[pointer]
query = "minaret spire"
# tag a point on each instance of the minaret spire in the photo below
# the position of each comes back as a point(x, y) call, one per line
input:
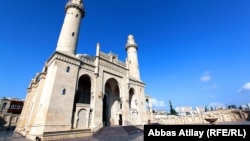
point(132, 59)
point(67, 42)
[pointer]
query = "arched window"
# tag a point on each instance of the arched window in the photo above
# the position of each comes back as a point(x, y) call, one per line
point(4, 106)
point(63, 91)
point(68, 69)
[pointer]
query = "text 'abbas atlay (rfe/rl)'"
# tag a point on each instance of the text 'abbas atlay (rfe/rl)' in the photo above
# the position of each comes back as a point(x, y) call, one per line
point(196, 132)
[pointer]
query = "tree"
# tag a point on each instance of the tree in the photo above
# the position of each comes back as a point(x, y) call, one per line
point(172, 110)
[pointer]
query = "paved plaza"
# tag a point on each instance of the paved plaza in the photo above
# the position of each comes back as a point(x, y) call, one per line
point(114, 133)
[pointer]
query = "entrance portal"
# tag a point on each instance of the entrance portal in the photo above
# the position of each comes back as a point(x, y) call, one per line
point(110, 103)
point(120, 119)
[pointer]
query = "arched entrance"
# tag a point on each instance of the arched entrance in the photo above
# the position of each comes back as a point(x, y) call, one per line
point(132, 101)
point(82, 99)
point(120, 119)
point(84, 90)
point(111, 103)
point(133, 112)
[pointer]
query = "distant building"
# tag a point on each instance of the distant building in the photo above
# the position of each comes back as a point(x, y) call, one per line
point(200, 110)
point(181, 110)
point(10, 109)
point(160, 112)
point(244, 107)
point(11, 105)
point(231, 107)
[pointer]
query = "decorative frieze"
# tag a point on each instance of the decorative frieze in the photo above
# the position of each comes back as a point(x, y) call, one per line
point(64, 58)
point(136, 83)
point(67, 60)
point(113, 67)
point(88, 67)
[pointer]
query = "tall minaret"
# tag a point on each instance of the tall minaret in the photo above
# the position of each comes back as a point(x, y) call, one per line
point(67, 41)
point(132, 59)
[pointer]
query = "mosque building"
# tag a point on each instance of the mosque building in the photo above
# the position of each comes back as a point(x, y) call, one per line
point(78, 93)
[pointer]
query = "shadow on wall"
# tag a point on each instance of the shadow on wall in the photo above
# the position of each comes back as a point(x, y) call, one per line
point(248, 116)
point(2, 123)
point(4, 127)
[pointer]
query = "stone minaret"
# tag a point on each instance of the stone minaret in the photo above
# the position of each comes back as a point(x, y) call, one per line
point(132, 59)
point(67, 41)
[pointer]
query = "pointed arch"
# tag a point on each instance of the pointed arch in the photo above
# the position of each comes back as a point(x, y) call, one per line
point(132, 100)
point(110, 102)
point(83, 93)
point(82, 119)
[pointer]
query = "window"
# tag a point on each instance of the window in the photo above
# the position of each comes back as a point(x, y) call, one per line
point(38, 78)
point(63, 91)
point(76, 15)
point(68, 69)
point(120, 105)
point(4, 105)
point(73, 34)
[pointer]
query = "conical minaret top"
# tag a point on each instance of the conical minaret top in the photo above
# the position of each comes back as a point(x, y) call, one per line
point(132, 59)
point(67, 42)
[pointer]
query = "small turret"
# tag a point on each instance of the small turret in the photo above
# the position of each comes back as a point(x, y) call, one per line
point(97, 58)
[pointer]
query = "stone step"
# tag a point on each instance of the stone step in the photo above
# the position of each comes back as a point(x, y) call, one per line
point(67, 134)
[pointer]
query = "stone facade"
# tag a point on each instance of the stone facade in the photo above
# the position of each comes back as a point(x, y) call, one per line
point(76, 94)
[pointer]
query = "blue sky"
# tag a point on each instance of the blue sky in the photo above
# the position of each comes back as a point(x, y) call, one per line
point(192, 52)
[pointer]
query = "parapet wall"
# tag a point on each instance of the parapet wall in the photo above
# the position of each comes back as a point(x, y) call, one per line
point(222, 115)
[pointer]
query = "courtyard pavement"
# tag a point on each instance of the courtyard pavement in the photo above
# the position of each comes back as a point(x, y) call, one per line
point(109, 133)
point(114, 133)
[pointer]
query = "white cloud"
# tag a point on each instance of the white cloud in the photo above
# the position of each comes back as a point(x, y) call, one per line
point(205, 77)
point(247, 86)
point(244, 88)
point(214, 86)
point(158, 103)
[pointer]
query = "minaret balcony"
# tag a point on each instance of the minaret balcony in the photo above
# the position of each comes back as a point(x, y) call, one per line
point(74, 5)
